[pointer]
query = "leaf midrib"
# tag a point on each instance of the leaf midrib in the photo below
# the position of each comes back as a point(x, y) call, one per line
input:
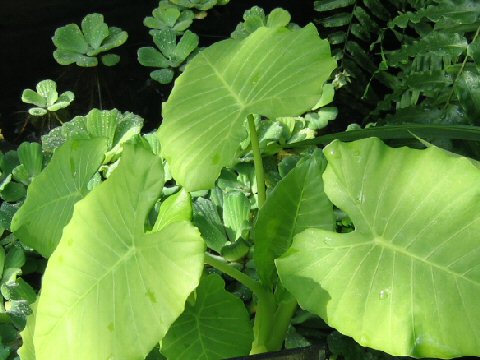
point(380, 241)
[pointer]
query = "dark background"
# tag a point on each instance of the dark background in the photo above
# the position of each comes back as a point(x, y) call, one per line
point(26, 28)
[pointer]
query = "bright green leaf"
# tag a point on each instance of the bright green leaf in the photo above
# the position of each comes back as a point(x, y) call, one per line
point(62, 102)
point(328, 93)
point(177, 207)
point(30, 156)
point(94, 29)
point(295, 204)
point(216, 327)
point(36, 111)
point(52, 194)
point(70, 38)
point(273, 72)
point(32, 97)
point(236, 214)
point(406, 280)
point(104, 258)
point(48, 90)
point(278, 18)
point(27, 351)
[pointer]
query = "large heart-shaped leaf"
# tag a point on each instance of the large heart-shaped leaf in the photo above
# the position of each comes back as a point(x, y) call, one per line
point(297, 203)
point(110, 290)
point(273, 72)
point(407, 279)
point(52, 194)
point(216, 327)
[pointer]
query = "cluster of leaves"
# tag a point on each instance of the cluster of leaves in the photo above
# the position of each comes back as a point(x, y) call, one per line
point(46, 98)
point(128, 221)
point(17, 170)
point(82, 45)
point(437, 64)
point(430, 78)
point(355, 29)
point(170, 20)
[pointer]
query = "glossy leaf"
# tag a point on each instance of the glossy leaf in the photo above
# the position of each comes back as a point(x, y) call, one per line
point(406, 280)
point(216, 327)
point(32, 97)
point(296, 203)
point(49, 204)
point(110, 290)
point(94, 29)
point(70, 38)
point(263, 73)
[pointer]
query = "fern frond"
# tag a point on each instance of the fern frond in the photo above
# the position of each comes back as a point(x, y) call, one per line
point(353, 28)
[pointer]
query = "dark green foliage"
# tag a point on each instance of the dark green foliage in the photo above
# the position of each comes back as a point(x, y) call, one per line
point(428, 74)
point(437, 78)
point(354, 29)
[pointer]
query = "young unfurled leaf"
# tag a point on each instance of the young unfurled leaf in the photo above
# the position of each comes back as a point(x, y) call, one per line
point(177, 207)
point(297, 203)
point(263, 74)
point(49, 204)
point(216, 327)
point(406, 280)
point(115, 290)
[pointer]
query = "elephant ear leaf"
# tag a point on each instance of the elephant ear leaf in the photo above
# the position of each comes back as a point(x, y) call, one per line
point(86, 309)
point(273, 72)
point(217, 326)
point(52, 194)
point(407, 279)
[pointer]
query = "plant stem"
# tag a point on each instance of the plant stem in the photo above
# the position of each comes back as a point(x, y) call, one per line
point(99, 90)
point(257, 160)
point(219, 263)
point(282, 317)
